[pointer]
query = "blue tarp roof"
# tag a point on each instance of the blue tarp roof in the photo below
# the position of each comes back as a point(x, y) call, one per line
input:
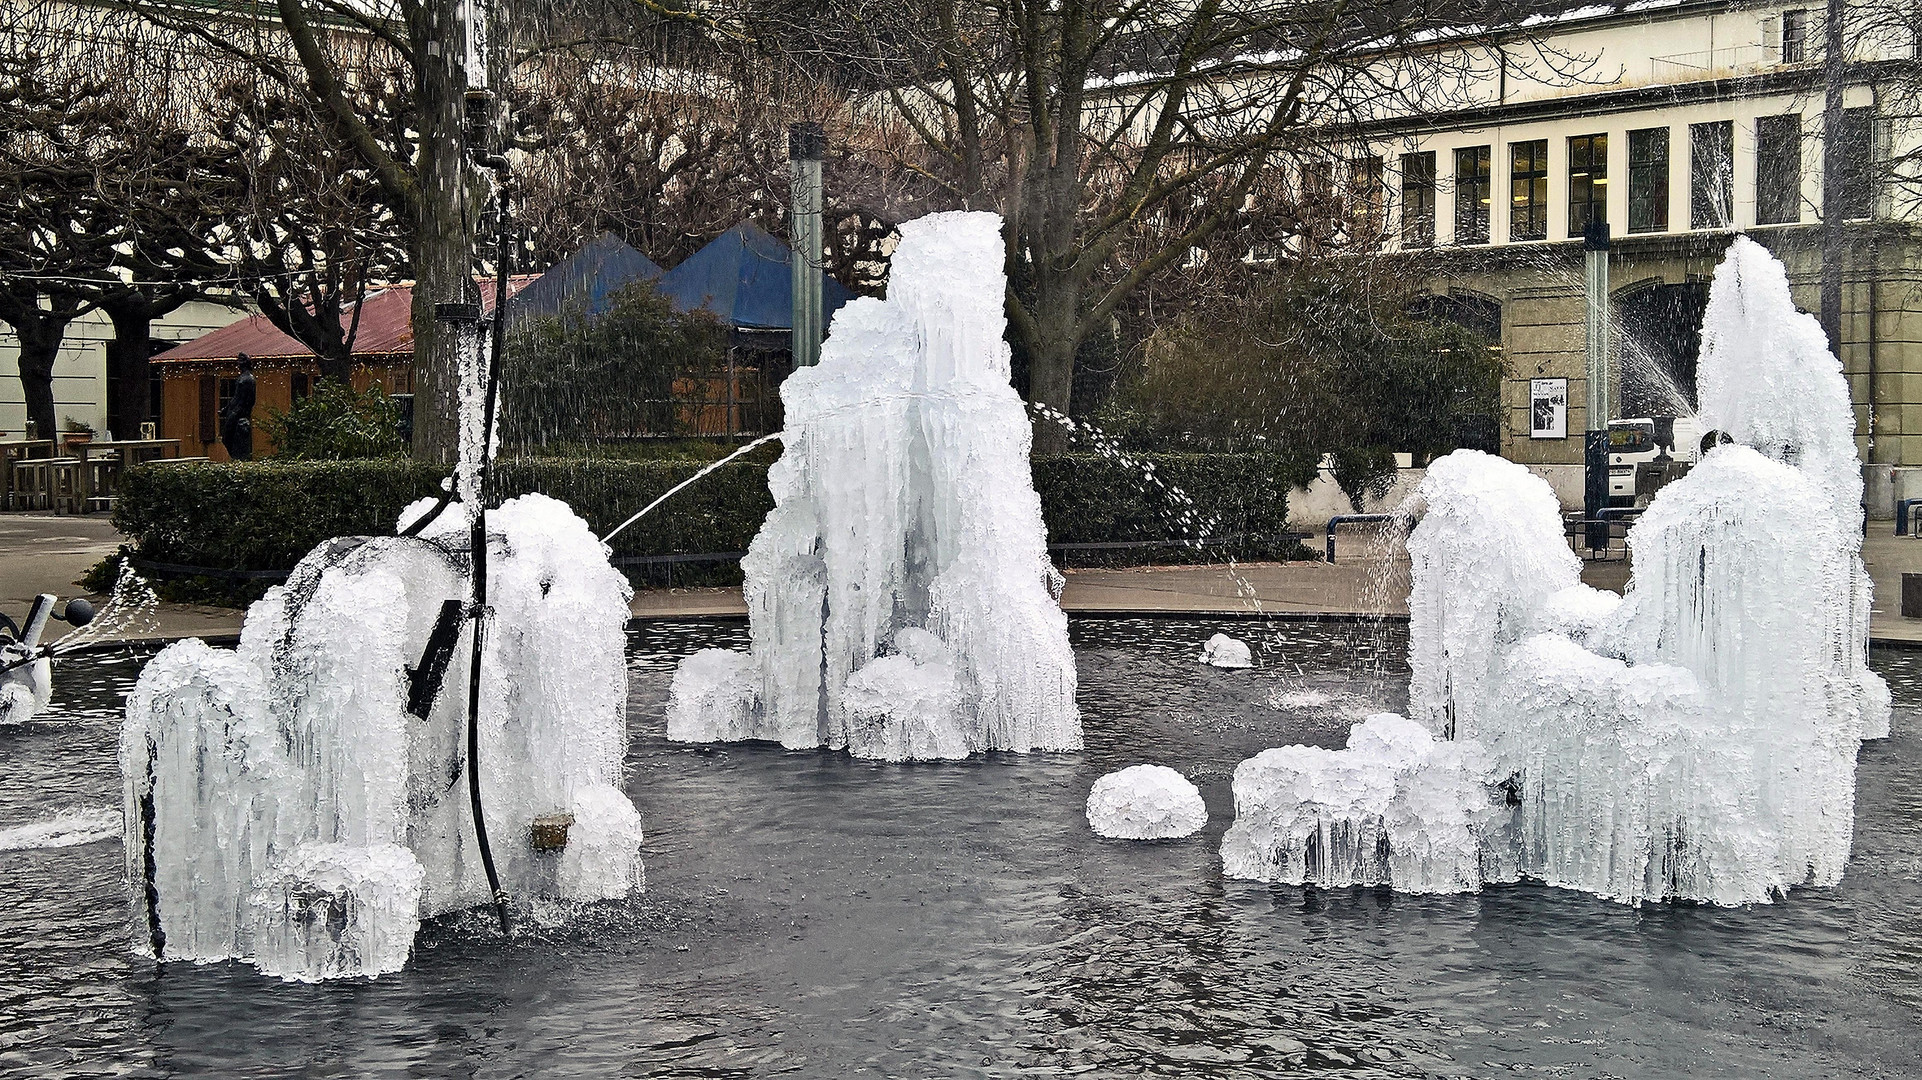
point(742, 277)
point(586, 278)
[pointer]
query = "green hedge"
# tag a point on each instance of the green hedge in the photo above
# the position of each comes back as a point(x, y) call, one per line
point(265, 515)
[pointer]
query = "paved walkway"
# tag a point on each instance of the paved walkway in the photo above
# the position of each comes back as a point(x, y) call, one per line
point(43, 553)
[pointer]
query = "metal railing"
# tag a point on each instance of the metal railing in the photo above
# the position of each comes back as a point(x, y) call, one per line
point(1343, 519)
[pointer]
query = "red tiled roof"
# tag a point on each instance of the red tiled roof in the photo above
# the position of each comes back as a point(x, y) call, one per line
point(386, 330)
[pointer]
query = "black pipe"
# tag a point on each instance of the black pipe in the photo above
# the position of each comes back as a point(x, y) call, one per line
point(478, 548)
point(149, 867)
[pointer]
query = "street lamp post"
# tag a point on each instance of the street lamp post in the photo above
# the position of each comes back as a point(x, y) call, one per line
point(806, 146)
point(1595, 449)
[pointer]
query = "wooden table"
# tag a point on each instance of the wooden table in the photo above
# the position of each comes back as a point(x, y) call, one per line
point(128, 451)
point(12, 450)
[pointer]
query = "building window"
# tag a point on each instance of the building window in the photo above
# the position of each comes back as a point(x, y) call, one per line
point(1858, 163)
point(1317, 209)
point(1711, 175)
point(1778, 169)
point(1795, 36)
point(1472, 177)
point(303, 386)
point(1418, 199)
point(1366, 192)
point(1528, 190)
point(1587, 182)
point(1648, 180)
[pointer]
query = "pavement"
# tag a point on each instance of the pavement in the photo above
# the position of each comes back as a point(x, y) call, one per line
point(44, 553)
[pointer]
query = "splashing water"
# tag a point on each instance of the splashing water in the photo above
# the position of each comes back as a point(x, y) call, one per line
point(71, 827)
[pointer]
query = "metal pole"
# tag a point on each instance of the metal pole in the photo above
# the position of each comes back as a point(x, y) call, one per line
point(806, 146)
point(1834, 67)
point(1595, 447)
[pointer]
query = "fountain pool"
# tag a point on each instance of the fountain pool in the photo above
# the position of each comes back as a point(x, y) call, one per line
point(815, 915)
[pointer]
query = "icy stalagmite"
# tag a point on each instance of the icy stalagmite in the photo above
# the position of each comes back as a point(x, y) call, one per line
point(900, 595)
point(285, 806)
point(1694, 739)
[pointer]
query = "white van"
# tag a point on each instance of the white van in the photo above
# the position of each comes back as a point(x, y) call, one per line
point(1645, 453)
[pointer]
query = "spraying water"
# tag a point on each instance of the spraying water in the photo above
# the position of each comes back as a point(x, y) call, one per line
point(689, 482)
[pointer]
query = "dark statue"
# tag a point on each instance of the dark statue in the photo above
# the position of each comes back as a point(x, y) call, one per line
point(237, 419)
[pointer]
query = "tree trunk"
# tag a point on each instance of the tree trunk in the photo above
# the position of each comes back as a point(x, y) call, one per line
point(39, 347)
point(1051, 372)
point(443, 240)
point(129, 398)
point(337, 364)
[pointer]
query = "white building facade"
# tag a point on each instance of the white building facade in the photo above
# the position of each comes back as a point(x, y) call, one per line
point(80, 372)
point(1678, 123)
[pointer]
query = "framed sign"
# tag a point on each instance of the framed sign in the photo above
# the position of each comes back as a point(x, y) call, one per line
point(1548, 408)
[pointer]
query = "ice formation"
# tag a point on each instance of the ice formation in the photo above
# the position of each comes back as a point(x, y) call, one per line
point(1397, 806)
point(1223, 651)
point(1694, 739)
point(900, 596)
point(288, 809)
point(1145, 802)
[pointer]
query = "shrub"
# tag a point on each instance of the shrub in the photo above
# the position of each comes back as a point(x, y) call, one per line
point(336, 422)
point(1332, 360)
point(265, 515)
point(581, 377)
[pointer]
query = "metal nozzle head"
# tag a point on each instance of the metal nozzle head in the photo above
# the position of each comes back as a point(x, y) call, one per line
point(79, 612)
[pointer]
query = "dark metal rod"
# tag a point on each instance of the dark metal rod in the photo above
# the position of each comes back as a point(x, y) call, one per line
point(478, 547)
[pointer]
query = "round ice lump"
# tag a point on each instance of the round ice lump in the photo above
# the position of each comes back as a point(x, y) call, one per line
point(1145, 802)
point(1223, 651)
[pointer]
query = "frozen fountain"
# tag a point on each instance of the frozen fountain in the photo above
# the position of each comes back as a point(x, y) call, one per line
point(901, 599)
point(304, 801)
point(1694, 739)
point(301, 802)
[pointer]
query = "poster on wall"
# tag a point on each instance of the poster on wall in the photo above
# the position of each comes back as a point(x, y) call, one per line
point(1548, 408)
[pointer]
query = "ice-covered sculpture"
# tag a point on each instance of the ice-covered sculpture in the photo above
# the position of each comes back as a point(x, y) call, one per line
point(285, 807)
point(1146, 802)
point(1694, 739)
point(900, 596)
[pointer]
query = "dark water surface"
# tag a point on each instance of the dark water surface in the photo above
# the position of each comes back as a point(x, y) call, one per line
point(814, 916)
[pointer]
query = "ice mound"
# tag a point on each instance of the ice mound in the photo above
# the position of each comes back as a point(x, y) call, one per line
point(332, 910)
point(1396, 807)
point(714, 697)
point(903, 504)
point(24, 690)
point(1223, 651)
point(267, 783)
point(1695, 739)
point(1486, 555)
point(1146, 802)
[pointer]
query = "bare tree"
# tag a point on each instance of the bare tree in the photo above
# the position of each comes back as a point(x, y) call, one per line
point(309, 230)
point(110, 193)
point(1092, 125)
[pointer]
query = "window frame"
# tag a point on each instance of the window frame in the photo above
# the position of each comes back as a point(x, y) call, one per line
point(1648, 179)
point(1419, 196)
point(1473, 215)
point(1778, 169)
point(1701, 198)
point(1795, 36)
point(1594, 181)
point(1530, 207)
